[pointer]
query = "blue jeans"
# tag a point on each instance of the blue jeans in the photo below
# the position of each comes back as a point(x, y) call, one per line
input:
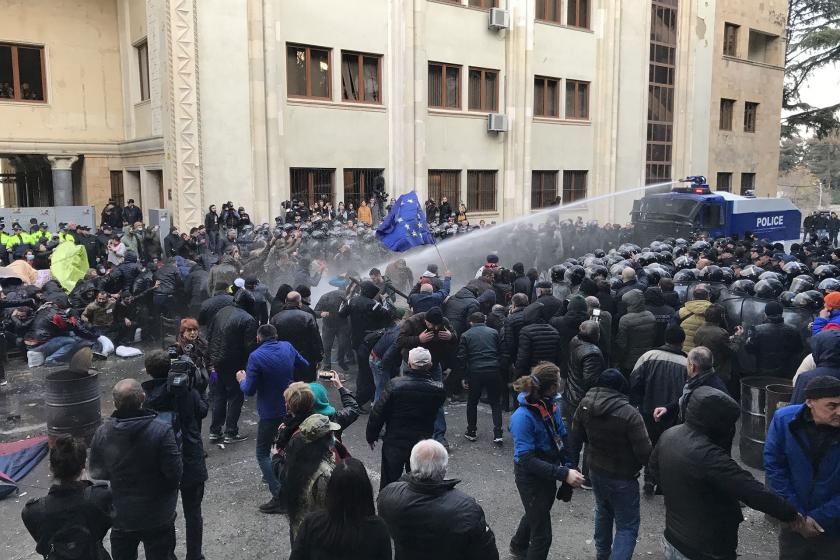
point(440, 419)
point(380, 378)
point(266, 432)
point(616, 501)
point(58, 348)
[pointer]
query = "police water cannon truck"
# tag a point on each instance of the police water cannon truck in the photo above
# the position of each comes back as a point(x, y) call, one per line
point(691, 208)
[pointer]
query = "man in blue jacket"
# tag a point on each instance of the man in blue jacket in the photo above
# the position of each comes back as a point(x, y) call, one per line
point(802, 465)
point(270, 371)
point(428, 297)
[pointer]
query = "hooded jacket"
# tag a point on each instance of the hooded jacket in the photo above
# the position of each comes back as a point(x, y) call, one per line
point(430, 518)
point(616, 437)
point(567, 325)
point(460, 306)
point(138, 454)
point(585, 364)
point(832, 323)
point(538, 341)
point(535, 453)
point(211, 306)
point(125, 273)
point(636, 331)
point(691, 318)
point(703, 484)
point(777, 348)
point(716, 339)
point(826, 352)
point(191, 409)
point(791, 470)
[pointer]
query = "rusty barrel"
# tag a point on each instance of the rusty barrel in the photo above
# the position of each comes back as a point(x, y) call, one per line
point(73, 404)
point(754, 417)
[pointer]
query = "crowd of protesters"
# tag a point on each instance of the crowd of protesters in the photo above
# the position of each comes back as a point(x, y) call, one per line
point(620, 361)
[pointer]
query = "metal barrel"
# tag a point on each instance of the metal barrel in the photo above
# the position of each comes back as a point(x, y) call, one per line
point(73, 404)
point(753, 417)
point(778, 396)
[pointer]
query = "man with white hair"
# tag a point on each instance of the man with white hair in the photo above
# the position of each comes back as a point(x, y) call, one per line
point(407, 408)
point(427, 517)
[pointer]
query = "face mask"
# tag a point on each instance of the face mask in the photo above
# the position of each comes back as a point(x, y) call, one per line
point(30, 257)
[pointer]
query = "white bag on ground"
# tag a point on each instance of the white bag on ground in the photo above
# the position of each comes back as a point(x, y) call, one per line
point(35, 359)
point(107, 345)
point(128, 352)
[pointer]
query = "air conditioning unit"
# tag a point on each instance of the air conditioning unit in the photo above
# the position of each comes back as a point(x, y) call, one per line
point(499, 19)
point(497, 122)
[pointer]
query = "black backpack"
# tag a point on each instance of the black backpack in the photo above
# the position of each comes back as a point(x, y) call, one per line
point(73, 541)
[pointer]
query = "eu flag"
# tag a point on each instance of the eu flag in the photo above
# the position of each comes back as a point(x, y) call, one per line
point(405, 226)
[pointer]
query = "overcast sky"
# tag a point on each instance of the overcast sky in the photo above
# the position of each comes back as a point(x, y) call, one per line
point(823, 88)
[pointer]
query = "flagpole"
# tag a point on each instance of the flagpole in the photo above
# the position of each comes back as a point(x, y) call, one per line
point(443, 262)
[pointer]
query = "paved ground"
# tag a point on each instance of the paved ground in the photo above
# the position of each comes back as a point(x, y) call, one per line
point(235, 529)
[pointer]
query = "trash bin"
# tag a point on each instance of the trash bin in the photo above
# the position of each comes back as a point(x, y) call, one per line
point(777, 396)
point(73, 404)
point(754, 417)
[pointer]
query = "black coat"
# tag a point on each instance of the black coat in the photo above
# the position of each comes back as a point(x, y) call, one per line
point(138, 454)
point(777, 348)
point(122, 277)
point(84, 503)
point(459, 307)
point(171, 283)
point(366, 315)
point(132, 215)
point(568, 326)
point(478, 350)
point(586, 362)
point(522, 285)
point(299, 328)
point(195, 287)
point(191, 409)
point(510, 337)
point(407, 409)
point(538, 341)
point(703, 484)
point(212, 306)
point(231, 335)
point(331, 303)
point(431, 519)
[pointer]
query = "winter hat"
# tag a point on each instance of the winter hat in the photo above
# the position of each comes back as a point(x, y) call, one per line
point(612, 379)
point(823, 387)
point(239, 282)
point(322, 401)
point(773, 309)
point(832, 301)
point(492, 259)
point(317, 426)
point(628, 274)
point(434, 316)
point(419, 358)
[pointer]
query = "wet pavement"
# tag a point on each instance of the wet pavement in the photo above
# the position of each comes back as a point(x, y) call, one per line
point(234, 528)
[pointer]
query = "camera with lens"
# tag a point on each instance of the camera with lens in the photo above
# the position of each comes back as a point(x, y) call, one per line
point(379, 189)
point(182, 371)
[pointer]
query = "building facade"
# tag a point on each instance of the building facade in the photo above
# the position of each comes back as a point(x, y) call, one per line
point(182, 104)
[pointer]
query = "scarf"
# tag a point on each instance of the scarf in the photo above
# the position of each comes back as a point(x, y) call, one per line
point(689, 388)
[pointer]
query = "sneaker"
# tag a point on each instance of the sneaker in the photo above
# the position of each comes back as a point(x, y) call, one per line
point(470, 435)
point(215, 438)
point(587, 484)
point(3, 382)
point(274, 505)
point(649, 489)
point(236, 438)
point(498, 441)
point(99, 356)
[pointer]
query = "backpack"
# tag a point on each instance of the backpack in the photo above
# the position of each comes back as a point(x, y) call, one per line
point(73, 541)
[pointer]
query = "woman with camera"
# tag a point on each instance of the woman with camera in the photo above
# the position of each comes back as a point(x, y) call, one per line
point(539, 441)
point(190, 343)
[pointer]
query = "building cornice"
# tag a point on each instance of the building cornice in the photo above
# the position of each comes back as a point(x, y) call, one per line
point(141, 146)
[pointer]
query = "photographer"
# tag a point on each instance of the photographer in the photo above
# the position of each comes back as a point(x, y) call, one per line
point(191, 344)
point(173, 395)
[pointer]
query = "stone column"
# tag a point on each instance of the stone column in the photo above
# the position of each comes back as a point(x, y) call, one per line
point(62, 177)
